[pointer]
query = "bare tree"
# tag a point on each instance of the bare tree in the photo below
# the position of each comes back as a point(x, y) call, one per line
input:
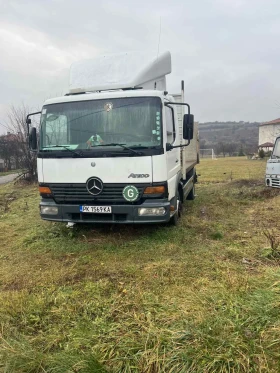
point(17, 125)
point(226, 148)
point(231, 148)
point(8, 150)
point(220, 148)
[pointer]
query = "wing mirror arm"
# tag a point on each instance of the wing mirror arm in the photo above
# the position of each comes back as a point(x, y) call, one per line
point(170, 146)
point(28, 120)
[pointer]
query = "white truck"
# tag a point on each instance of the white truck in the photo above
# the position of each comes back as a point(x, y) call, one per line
point(272, 177)
point(118, 148)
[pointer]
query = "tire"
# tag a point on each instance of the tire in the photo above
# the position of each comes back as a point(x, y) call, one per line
point(174, 221)
point(191, 195)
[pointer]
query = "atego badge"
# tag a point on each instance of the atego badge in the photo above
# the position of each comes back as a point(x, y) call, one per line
point(130, 193)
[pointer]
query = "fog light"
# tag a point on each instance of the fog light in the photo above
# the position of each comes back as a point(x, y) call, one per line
point(158, 211)
point(49, 210)
point(267, 182)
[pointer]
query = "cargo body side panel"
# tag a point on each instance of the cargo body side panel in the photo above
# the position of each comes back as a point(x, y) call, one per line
point(190, 153)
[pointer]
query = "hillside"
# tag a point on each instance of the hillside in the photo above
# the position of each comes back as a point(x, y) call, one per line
point(235, 135)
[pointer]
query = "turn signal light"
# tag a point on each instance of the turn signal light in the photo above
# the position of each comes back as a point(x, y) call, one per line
point(44, 190)
point(155, 190)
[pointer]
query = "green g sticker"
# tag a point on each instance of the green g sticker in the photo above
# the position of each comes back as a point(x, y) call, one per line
point(130, 193)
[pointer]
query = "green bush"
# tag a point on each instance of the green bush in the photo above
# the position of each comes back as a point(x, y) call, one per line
point(261, 153)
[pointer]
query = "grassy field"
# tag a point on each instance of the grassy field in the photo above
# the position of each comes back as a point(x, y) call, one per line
point(201, 297)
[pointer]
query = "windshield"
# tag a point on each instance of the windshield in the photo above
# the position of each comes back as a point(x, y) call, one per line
point(276, 150)
point(92, 125)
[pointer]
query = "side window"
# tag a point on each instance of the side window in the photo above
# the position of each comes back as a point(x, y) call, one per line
point(170, 125)
point(56, 129)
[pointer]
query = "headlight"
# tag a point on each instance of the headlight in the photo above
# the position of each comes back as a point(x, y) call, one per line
point(158, 211)
point(49, 210)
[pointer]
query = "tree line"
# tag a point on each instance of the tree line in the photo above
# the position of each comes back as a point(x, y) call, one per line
point(14, 149)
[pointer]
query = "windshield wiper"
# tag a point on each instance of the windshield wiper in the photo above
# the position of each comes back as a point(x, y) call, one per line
point(145, 147)
point(121, 145)
point(65, 147)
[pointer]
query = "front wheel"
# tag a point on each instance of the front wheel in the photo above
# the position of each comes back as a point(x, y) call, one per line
point(175, 218)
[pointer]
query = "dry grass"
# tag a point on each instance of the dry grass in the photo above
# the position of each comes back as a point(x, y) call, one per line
point(231, 169)
point(202, 297)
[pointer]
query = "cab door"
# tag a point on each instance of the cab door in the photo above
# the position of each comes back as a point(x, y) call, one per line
point(172, 156)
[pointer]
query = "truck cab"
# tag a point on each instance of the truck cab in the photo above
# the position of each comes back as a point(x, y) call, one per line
point(116, 155)
point(272, 177)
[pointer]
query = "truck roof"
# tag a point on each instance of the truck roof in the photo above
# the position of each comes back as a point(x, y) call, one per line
point(105, 95)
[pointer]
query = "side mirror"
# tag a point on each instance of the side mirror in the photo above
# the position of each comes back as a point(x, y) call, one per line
point(33, 139)
point(188, 124)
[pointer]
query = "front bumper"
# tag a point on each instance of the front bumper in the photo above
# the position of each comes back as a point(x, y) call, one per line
point(121, 214)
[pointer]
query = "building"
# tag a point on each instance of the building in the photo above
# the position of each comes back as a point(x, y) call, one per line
point(266, 146)
point(268, 132)
point(10, 152)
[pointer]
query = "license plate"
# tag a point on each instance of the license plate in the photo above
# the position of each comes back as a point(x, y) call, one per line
point(96, 209)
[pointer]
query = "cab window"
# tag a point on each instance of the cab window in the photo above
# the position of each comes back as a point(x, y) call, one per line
point(170, 125)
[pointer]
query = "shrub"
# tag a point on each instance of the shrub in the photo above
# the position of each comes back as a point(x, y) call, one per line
point(261, 153)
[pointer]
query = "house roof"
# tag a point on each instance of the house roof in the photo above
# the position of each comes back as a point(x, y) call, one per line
point(274, 121)
point(266, 145)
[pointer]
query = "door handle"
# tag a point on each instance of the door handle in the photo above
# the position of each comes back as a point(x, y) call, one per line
point(177, 160)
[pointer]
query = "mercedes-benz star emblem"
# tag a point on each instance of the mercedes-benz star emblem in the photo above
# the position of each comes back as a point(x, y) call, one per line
point(94, 186)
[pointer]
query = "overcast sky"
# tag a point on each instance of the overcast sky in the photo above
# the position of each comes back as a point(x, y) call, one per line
point(227, 51)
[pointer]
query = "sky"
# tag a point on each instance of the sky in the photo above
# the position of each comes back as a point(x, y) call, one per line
point(226, 51)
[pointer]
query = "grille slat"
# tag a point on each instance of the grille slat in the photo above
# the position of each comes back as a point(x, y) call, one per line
point(77, 193)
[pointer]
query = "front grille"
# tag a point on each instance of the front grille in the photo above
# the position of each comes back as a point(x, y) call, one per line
point(78, 194)
point(275, 182)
